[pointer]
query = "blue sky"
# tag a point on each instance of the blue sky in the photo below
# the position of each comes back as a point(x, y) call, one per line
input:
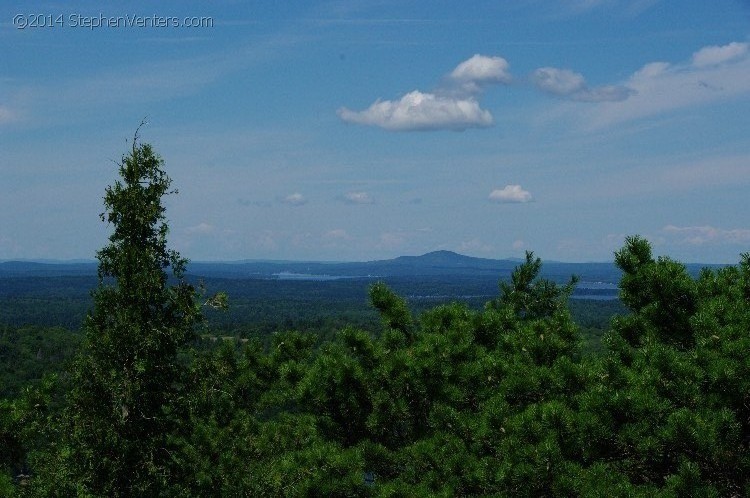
point(360, 130)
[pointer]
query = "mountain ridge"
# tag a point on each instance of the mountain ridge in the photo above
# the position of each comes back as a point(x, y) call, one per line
point(434, 263)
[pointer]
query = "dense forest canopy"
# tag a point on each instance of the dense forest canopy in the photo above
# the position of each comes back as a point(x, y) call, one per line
point(451, 401)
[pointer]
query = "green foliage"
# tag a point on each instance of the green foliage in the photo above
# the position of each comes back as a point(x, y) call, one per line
point(127, 378)
point(11, 458)
point(393, 310)
point(673, 402)
point(661, 293)
point(528, 295)
point(28, 353)
point(454, 401)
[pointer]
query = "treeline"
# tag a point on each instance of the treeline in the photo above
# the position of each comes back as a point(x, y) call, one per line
point(456, 401)
point(262, 307)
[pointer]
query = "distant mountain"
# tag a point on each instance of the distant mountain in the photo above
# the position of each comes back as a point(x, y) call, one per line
point(435, 258)
point(436, 264)
point(447, 259)
point(46, 269)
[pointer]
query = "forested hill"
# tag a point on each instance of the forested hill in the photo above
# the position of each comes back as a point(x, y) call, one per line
point(432, 263)
point(46, 269)
point(436, 263)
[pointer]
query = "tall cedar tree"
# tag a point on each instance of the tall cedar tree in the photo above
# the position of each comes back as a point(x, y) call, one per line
point(127, 379)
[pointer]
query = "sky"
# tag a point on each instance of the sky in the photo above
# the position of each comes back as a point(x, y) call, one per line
point(361, 130)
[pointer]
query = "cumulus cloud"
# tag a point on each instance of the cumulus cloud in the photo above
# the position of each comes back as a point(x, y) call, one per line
point(713, 73)
point(477, 72)
point(510, 194)
point(700, 235)
point(358, 198)
point(483, 69)
point(295, 199)
point(712, 55)
point(421, 111)
point(569, 84)
point(451, 106)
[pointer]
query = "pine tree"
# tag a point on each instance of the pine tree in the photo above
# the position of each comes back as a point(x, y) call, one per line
point(126, 380)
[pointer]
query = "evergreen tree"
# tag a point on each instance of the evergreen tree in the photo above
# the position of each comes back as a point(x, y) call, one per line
point(670, 416)
point(127, 378)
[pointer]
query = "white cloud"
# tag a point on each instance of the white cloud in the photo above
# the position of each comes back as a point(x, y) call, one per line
point(651, 70)
point(452, 106)
point(295, 199)
point(568, 84)
point(700, 235)
point(709, 56)
point(606, 93)
point(713, 74)
point(358, 198)
point(558, 81)
point(518, 245)
point(510, 193)
point(483, 69)
point(421, 111)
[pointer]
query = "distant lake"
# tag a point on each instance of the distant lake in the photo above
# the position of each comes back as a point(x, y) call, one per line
point(287, 275)
point(596, 297)
point(596, 285)
point(596, 291)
